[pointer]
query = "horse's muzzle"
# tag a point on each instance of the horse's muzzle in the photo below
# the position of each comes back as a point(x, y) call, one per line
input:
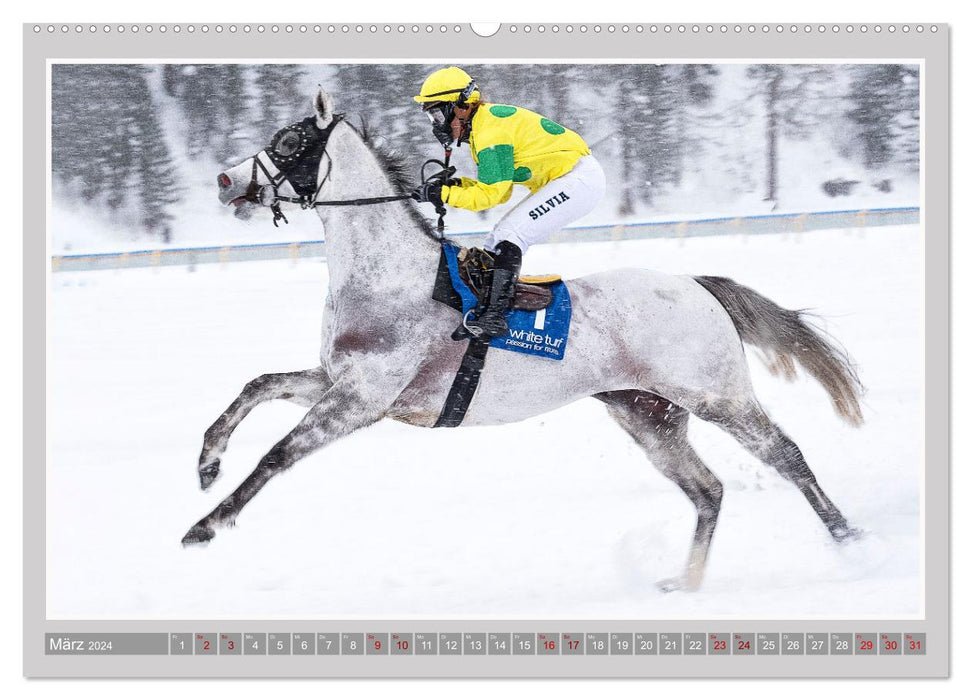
point(229, 191)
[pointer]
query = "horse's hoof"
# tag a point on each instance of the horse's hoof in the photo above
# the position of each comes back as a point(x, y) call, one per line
point(208, 474)
point(198, 534)
point(669, 585)
point(846, 533)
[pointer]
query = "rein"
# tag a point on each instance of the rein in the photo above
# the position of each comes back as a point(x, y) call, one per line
point(268, 195)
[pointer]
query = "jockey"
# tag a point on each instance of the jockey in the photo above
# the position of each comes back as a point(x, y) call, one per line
point(510, 145)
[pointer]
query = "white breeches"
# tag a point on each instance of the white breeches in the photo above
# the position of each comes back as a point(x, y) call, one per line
point(556, 204)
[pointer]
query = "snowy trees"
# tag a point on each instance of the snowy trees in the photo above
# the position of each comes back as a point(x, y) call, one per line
point(108, 146)
point(111, 149)
point(885, 109)
point(125, 136)
point(794, 101)
point(278, 96)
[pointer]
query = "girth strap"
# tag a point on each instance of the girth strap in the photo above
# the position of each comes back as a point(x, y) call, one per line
point(464, 385)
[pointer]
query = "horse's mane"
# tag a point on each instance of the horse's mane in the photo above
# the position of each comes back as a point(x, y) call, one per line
point(397, 168)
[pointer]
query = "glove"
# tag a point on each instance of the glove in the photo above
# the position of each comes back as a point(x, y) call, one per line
point(428, 192)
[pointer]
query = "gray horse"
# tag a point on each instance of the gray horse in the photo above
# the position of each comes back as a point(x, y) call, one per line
point(654, 348)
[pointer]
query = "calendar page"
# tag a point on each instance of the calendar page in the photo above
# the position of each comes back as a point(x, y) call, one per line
point(519, 350)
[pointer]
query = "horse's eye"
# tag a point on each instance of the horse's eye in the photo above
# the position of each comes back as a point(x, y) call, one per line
point(288, 144)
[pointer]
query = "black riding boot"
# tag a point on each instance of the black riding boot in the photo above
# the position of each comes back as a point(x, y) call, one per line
point(492, 323)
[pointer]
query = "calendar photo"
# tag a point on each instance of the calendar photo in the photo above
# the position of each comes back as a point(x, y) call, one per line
point(677, 306)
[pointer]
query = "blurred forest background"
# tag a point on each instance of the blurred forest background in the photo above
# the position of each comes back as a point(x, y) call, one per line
point(137, 147)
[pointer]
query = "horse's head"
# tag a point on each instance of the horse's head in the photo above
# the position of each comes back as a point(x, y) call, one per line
point(289, 169)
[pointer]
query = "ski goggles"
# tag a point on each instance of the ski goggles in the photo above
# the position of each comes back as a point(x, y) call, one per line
point(440, 113)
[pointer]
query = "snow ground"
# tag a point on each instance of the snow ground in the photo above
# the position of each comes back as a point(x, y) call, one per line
point(393, 522)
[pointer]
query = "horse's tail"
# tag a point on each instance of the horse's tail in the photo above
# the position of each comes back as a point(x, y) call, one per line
point(783, 336)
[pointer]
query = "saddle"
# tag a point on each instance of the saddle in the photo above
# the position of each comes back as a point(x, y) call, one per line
point(532, 292)
point(541, 303)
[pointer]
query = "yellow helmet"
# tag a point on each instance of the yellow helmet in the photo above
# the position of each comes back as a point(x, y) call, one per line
point(448, 85)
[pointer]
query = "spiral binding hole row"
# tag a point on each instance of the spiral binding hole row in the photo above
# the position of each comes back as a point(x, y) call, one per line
point(425, 29)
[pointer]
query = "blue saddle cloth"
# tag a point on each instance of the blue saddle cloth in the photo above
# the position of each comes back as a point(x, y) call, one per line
point(543, 333)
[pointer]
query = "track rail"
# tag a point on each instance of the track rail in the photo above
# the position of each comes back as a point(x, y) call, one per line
point(722, 226)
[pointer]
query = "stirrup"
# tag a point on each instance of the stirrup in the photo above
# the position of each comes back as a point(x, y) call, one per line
point(481, 332)
point(461, 333)
point(464, 331)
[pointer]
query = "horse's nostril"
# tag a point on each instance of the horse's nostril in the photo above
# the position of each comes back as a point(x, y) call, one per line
point(224, 180)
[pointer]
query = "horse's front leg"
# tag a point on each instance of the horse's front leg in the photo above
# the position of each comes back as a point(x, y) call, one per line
point(305, 387)
point(344, 408)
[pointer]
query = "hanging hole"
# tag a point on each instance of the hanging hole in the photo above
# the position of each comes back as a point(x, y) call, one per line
point(485, 29)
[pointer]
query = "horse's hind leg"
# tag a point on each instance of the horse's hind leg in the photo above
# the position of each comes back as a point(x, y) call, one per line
point(341, 411)
point(661, 429)
point(305, 387)
point(766, 440)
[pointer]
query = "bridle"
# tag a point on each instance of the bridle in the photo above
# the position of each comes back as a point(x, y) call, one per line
point(289, 162)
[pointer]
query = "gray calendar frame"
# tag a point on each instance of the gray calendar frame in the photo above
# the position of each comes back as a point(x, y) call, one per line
point(669, 42)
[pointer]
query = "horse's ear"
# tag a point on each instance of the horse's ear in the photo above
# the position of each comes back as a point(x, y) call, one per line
point(324, 106)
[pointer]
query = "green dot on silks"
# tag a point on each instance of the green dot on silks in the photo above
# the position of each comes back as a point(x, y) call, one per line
point(502, 111)
point(551, 127)
point(521, 174)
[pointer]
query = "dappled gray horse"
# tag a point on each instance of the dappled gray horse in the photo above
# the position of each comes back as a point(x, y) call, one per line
point(654, 348)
